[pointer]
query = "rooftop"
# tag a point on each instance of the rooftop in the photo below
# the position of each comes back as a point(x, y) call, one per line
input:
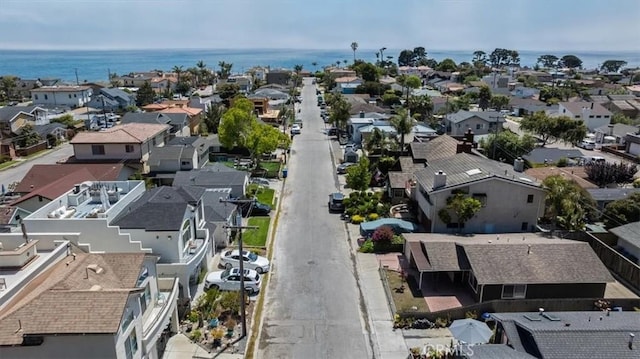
point(124, 133)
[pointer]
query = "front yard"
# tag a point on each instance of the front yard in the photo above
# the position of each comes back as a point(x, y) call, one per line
point(262, 194)
point(408, 298)
point(256, 237)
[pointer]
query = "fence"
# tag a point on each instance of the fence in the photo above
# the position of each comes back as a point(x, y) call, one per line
point(624, 269)
point(616, 152)
point(26, 151)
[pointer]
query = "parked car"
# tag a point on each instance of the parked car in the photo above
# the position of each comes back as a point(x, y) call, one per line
point(342, 168)
point(259, 180)
point(295, 129)
point(229, 279)
point(231, 259)
point(336, 202)
point(587, 144)
point(255, 209)
point(333, 131)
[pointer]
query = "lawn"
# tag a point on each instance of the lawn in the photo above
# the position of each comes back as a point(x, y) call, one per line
point(407, 299)
point(271, 166)
point(256, 237)
point(264, 195)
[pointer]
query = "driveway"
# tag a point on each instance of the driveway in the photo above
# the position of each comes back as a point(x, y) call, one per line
point(313, 302)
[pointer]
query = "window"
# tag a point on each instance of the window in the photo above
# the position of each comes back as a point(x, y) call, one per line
point(530, 198)
point(128, 148)
point(524, 226)
point(75, 96)
point(97, 149)
point(46, 97)
point(131, 345)
point(513, 291)
point(577, 116)
point(458, 125)
point(35, 97)
point(69, 95)
point(127, 320)
point(598, 116)
point(398, 193)
point(185, 163)
point(479, 126)
point(590, 116)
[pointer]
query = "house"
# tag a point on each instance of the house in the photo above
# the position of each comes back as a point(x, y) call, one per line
point(480, 122)
point(511, 201)
point(362, 109)
point(548, 155)
point(629, 240)
point(132, 143)
point(179, 122)
point(180, 154)
point(164, 84)
point(23, 87)
point(12, 119)
point(41, 175)
point(576, 174)
point(507, 266)
point(496, 81)
point(111, 99)
point(570, 334)
point(615, 133)
point(625, 107)
point(216, 175)
point(88, 305)
point(347, 85)
point(525, 92)
point(219, 215)
point(527, 106)
point(97, 217)
point(245, 83)
point(172, 213)
point(604, 196)
point(592, 114)
point(420, 71)
point(634, 90)
point(539, 76)
point(271, 94)
point(53, 133)
point(61, 96)
point(194, 117)
point(400, 183)
point(632, 144)
point(337, 72)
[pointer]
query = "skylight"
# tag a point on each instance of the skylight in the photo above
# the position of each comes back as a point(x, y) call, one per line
point(475, 171)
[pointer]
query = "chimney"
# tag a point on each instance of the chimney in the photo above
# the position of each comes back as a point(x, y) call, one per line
point(439, 180)
point(468, 137)
point(361, 114)
point(631, 336)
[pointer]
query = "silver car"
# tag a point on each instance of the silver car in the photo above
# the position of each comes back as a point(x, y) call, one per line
point(231, 259)
point(229, 279)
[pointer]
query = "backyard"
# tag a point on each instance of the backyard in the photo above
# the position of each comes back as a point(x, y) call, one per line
point(256, 237)
point(405, 294)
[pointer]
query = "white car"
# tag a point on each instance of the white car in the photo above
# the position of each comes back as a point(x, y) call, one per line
point(229, 279)
point(260, 181)
point(295, 129)
point(231, 259)
point(587, 144)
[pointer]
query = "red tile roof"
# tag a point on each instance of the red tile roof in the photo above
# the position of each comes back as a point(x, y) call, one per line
point(42, 175)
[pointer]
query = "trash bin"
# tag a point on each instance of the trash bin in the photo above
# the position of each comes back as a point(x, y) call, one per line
point(284, 172)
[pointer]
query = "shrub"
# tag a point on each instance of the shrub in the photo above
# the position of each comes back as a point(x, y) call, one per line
point(355, 195)
point(367, 247)
point(196, 335)
point(562, 162)
point(397, 239)
point(193, 316)
point(230, 301)
point(357, 219)
point(383, 234)
point(372, 216)
point(636, 183)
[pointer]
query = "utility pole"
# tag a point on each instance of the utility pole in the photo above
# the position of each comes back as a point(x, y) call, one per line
point(239, 227)
point(495, 138)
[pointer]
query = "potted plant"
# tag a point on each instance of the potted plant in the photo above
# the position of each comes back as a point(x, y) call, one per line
point(231, 325)
point(217, 334)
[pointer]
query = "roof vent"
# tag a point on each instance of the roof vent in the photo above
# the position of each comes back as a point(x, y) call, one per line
point(95, 288)
point(94, 268)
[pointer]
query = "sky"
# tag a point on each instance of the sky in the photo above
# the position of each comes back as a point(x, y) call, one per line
point(555, 25)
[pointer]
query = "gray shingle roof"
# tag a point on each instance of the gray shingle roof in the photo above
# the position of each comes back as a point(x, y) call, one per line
point(488, 116)
point(538, 155)
point(630, 232)
point(611, 194)
point(214, 210)
point(496, 351)
point(574, 335)
point(464, 168)
point(170, 153)
point(618, 129)
point(144, 117)
point(217, 175)
point(44, 130)
point(7, 113)
point(440, 147)
point(445, 256)
point(160, 208)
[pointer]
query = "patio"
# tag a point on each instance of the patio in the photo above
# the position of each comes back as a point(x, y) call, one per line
point(440, 294)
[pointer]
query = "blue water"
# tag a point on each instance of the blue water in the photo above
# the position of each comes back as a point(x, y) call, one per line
point(96, 65)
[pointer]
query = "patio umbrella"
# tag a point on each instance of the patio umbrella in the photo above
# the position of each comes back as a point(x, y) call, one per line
point(471, 331)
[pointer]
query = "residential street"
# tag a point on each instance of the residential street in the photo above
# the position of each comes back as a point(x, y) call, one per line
point(313, 305)
point(15, 174)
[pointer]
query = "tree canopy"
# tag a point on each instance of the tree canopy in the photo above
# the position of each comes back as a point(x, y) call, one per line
point(359, 176)
point(504, 57)
point(548, 61)
point(339, 114)
point(621, 212)
point(506, 146)
point(237, 123)
point(145, 94)
point(463, 206)
point(571, 61)
point(552, 129)
point(264, 138)
point(613, 65)
point(605, 173)
point(403, 125)
point(568, 205)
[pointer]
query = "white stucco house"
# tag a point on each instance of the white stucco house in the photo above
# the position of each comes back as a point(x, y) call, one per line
point(592, 114)
point(61, 96)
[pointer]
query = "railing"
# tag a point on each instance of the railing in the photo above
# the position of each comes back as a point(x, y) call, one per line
point(169, 303)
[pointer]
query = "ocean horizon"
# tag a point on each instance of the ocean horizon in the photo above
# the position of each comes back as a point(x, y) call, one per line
point(95, 65)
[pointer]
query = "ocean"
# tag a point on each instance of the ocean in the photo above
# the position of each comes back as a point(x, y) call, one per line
point(95, 65)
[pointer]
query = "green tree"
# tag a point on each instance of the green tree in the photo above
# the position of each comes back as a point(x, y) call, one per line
point(339, 115)
point(7, 86)
point(605, 173)
point(613, 65)
point(548, 61)
point(372, 88)
point(479, 58)
point(354, 47)
point(463, 206)
point(236, 125)
point(621, 212)
point(264, 138)
point(367, 71)
point(178, 70)
point(567, 205)
point(28, 136)
point(499, 102)
point(67, 120)
point(504, 57)
point(552, 129)
point(506, 146)
point(484, 97)
point(409, 83)
point(225, 69)
point(405, 58)
point(213, 116)
point(571, 61)
point(403, 124)
point(359, 176)
point(376, 141)
point(145, 95)
point(227, 91)
point(389, 98)
point(621, 118)
point(447, 65)
point(421, 107)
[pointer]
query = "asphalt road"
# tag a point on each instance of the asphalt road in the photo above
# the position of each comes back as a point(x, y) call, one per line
point(313, 306)
point(16, 174)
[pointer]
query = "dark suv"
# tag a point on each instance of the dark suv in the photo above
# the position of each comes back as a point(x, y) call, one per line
point(336, 202)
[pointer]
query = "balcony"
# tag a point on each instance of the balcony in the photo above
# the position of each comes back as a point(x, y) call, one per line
point(164, 306)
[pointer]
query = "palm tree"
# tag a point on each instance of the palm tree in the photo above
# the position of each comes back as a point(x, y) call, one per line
point(338, 63)
point(403, 125)
point(354, 47)
point(297, 69)
point(202, 71)
point(225, 69)
point(178, 70)
point(375, 142)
